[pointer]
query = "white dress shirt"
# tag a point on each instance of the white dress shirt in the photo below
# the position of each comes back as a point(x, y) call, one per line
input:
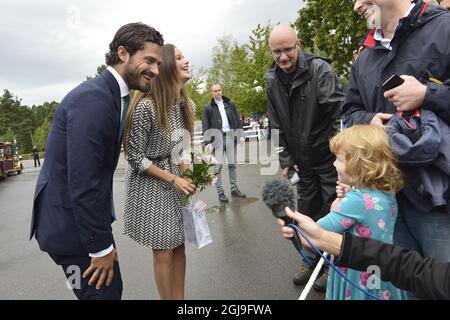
point(385, 42)
point(223, 114)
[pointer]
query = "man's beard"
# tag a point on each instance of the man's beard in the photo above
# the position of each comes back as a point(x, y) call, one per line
point(132, 78)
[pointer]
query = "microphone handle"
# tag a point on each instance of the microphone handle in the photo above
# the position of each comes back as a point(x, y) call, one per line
point(295, 239)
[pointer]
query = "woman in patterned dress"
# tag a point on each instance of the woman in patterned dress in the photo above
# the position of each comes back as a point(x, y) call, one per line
point(156, 127)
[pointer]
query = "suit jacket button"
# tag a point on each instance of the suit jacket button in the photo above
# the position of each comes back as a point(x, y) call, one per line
point(91, 238)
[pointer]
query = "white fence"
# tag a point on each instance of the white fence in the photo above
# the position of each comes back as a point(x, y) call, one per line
point(249, 131)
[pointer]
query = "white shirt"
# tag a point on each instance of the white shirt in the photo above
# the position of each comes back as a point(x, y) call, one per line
point(385, 42)
point(124, 91)
point(223, 114)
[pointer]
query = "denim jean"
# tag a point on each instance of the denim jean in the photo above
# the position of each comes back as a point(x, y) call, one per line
point(229, 149)
point(425, 232)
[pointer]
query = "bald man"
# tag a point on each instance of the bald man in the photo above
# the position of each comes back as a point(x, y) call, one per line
point(304, 100)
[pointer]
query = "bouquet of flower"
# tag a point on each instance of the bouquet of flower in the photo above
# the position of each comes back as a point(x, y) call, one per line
point(199, 172)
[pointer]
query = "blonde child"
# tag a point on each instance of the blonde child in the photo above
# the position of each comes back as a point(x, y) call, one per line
point(364, 161)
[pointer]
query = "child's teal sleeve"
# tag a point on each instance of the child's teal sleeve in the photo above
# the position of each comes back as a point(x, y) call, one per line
point(351, 210)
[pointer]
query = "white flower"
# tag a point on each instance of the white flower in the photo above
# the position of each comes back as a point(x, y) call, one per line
point(214, 160)
point(207, 158)
point(209, 149)
point(198, 158)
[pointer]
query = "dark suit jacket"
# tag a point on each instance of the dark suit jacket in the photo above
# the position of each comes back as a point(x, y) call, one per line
point(72, 201)
point(211, 118)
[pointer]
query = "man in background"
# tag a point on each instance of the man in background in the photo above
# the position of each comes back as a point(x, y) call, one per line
point(221, 114)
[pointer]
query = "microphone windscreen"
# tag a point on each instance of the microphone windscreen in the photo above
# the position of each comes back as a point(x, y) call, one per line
point(278, 194)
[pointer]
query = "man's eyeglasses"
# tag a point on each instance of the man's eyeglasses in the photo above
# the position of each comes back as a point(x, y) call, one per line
point(288, 51)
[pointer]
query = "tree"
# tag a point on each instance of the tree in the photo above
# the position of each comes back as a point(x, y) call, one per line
point(43, 112)
point(7, 136)
point(197, 91)
point(250, 68)
point(331, 29)
point(20, 121)
point(41, 133)
point(240, 69)
point(221, 70)
point(100, 69)
point(15, 119)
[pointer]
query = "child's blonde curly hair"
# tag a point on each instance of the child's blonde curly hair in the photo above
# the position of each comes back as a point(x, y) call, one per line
point(370, 161)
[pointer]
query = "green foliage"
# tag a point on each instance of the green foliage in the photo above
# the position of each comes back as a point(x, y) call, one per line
point(197, 92)
point(240, 69)
point(21, 122)
point(15, 120)
point(100, 69)
point(30, 126)
point(40, 135)
point(7, 136)
point(332, 29)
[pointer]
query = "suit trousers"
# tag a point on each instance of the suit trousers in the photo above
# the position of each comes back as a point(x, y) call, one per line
point(316, 192)
point(74, 267)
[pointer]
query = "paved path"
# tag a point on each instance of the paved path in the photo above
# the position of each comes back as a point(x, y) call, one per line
point(248, 259)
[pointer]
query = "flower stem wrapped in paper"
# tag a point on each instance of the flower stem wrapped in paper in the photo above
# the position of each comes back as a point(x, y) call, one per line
point(199, 171)
point(196, 229)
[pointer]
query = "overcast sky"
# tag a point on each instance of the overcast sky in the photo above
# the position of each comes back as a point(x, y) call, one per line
point(50, 46)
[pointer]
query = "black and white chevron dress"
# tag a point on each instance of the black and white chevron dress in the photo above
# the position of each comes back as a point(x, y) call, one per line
point(153, 215)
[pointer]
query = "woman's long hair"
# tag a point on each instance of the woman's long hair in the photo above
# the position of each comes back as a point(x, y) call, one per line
point(165, 93)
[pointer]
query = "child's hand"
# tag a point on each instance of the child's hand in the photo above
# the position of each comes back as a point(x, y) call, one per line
point(342, 189)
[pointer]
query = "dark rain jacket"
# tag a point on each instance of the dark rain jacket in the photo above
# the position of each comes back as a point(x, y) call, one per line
point(211, 118)
point(420, 48)
point(306, 116)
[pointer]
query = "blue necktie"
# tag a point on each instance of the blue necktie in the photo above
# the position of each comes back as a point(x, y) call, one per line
point(125, 104)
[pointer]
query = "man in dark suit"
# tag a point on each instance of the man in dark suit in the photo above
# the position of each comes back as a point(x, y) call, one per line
point(73, 206)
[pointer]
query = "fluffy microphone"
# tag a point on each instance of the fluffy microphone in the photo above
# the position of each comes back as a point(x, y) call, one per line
point(277, 194)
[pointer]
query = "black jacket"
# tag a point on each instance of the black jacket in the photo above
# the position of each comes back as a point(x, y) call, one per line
point(420, 49)
point(306, 116)
point(427, 278)
point(211, 118)
point(35, 153)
